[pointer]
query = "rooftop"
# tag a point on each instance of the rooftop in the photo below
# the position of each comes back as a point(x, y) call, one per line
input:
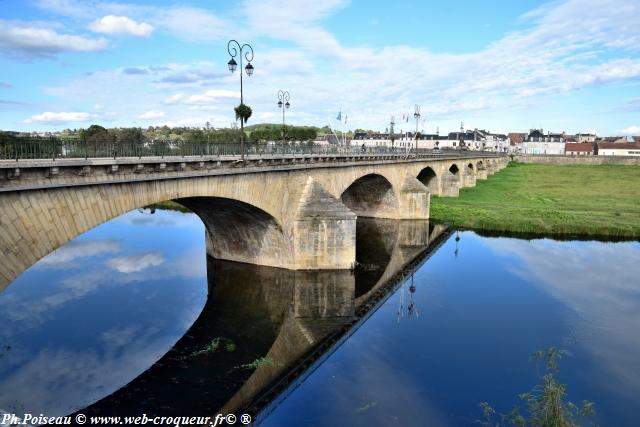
point(618, 145)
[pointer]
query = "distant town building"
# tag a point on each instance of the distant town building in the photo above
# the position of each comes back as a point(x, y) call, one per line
point(612, 139)
point(517, 138)
point(538, 135)
point(551, 148)
point(537, 142)
point(328, 139)
point(617, 149)
point(578, 149)
point(585, 137)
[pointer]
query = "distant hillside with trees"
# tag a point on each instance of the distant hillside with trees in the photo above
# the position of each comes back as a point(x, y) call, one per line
point(97, 134)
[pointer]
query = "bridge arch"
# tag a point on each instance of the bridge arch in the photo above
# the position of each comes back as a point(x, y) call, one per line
point(238, 231)
point(371, 195)
point(429, 179)
point(59, 215)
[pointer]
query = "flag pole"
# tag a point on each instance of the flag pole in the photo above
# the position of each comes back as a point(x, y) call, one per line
point(344, 141)
point(332, 131)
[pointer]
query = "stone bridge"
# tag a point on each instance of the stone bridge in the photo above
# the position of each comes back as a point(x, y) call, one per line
point(296, 213)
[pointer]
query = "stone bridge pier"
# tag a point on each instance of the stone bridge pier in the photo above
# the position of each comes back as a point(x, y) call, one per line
point(481, 170)
point(469, 176)
point(451, 181)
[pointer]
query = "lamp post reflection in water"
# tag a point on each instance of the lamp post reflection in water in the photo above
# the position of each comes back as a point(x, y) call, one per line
point(411, 306)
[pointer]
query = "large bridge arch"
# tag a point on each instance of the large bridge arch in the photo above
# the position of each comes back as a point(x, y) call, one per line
point(35, 223)
point(237, 231)
point(371, 195)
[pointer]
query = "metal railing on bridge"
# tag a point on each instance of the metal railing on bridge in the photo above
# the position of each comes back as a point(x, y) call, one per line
point(58, 148)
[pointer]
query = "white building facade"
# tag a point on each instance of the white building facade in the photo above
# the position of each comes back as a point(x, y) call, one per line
point(550, 148)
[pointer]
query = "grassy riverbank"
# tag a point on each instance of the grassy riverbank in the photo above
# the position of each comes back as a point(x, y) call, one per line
point(549, 199)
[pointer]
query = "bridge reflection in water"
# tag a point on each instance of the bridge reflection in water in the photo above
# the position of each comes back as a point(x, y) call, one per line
point(286, 317)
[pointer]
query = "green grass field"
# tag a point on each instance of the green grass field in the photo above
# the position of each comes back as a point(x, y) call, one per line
point(548, 199)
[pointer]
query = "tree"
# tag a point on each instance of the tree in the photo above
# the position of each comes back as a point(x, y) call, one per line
point(94, 133)
point(196, 135)
point(96, 141)
point(132, 136)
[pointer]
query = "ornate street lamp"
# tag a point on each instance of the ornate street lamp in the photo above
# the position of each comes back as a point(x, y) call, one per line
point(416, 115)
point(235, 49)
point(283, 103)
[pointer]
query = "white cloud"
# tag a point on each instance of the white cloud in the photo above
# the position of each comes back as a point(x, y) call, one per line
point(302, 22)
point(174, 99)
point(35, 39)
point(136, 263)
point(151, 114)
point(194, 24)
point(201, 99)
point(186, 22)
point(631, 130)
point(122, 26)
point(49, 117)
point(206, 74)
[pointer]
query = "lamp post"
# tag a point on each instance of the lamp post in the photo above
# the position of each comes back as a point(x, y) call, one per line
point(416, 115)
point(235, 49)
point(283, 103)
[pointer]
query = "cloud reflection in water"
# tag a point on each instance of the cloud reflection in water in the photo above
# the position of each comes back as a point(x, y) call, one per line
point(599, 283)
point(76, 333)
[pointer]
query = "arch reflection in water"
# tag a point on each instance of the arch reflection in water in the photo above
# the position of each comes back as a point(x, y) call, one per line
point(273, 315)
point(97, 312)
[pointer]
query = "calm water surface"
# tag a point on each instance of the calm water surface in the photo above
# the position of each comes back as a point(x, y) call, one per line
point(115, 316)
point(482, 306)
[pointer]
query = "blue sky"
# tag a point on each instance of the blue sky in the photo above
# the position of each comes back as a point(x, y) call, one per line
point(569, 65)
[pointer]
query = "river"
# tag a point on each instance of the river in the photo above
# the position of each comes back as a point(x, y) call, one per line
point(132, 317)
